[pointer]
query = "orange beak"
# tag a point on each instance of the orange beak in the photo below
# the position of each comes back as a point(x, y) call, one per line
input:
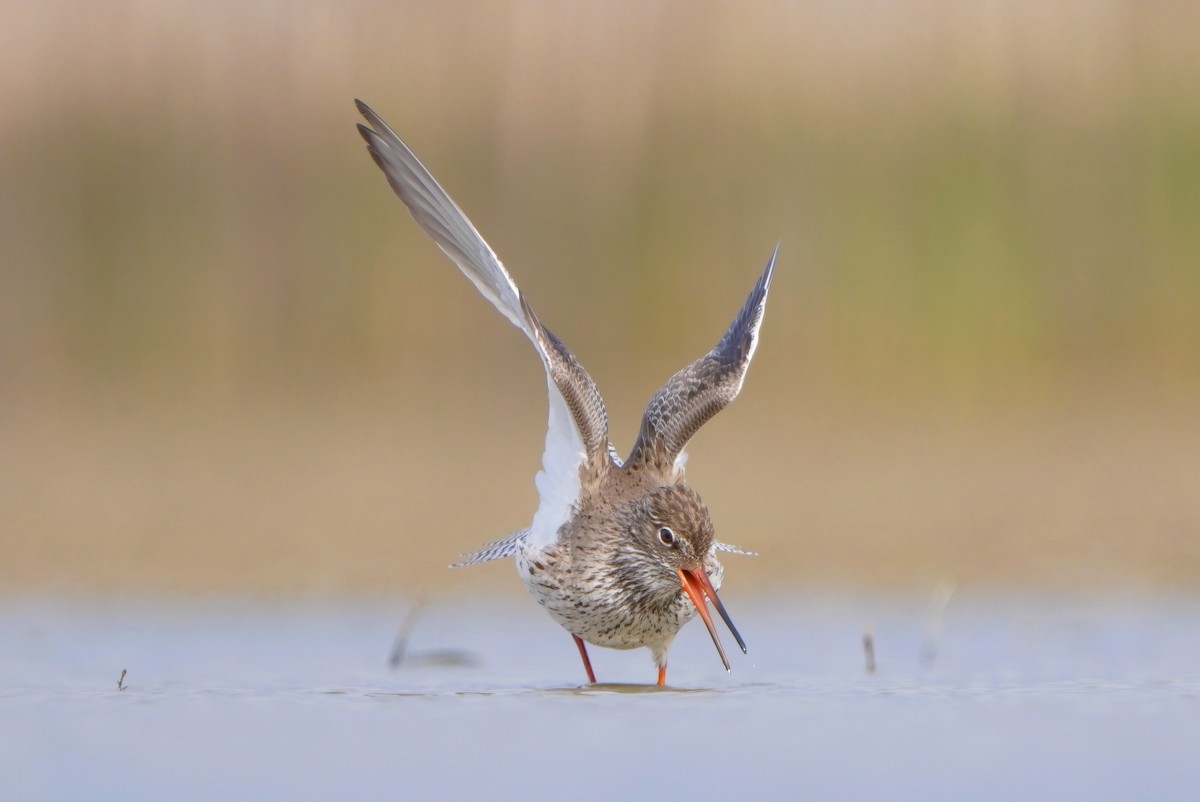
point(697, 585)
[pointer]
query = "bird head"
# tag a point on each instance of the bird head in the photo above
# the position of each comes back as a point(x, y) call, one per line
point(672, 526)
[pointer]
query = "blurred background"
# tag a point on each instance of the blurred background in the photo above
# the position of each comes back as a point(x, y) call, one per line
point(231, 364)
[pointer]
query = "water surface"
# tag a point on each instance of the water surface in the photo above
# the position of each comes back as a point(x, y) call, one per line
point(1018, 698)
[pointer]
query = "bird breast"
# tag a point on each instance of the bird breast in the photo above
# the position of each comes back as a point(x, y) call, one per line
point(609, 602)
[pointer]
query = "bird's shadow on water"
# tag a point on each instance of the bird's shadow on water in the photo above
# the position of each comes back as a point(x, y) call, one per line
point(599, 689)
point(622, 687)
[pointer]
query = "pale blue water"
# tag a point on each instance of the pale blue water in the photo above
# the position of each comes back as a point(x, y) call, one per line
point(1029, 698)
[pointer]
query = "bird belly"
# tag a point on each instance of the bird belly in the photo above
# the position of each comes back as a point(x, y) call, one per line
point(591, 606)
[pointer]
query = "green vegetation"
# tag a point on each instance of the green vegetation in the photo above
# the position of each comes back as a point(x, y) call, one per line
point(966, 201)
point(981, 352)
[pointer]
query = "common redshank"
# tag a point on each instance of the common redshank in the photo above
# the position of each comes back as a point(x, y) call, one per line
point(621, 553)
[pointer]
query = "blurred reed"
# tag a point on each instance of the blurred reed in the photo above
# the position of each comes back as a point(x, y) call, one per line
point(980, 204)
point(968, 194)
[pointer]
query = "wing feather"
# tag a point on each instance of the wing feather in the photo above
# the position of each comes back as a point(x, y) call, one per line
point(494, 550)
point(577, 435)
point(693, 395)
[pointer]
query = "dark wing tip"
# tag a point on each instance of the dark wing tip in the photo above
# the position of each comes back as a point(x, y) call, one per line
point(377, 127)
point(770, 269)
point(369, 113)
point(764, 281)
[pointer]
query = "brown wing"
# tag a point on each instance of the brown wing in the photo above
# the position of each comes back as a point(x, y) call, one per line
point(703, 388)
point(583, 398)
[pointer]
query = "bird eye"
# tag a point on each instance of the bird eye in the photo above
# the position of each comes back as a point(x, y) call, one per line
point(666, 536)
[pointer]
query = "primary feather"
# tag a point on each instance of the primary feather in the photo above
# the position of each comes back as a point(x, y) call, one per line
point(577, 432)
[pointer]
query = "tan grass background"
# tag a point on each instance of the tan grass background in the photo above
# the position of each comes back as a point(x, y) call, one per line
point(230, 363)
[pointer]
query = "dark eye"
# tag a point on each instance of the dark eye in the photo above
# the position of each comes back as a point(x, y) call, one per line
point(666, 536)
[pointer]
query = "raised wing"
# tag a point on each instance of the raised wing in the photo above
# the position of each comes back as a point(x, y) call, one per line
point(702, 389)
point(577, 436)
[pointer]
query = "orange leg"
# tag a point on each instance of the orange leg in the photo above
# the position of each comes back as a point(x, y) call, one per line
point(662, 676)
point(587, 664)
